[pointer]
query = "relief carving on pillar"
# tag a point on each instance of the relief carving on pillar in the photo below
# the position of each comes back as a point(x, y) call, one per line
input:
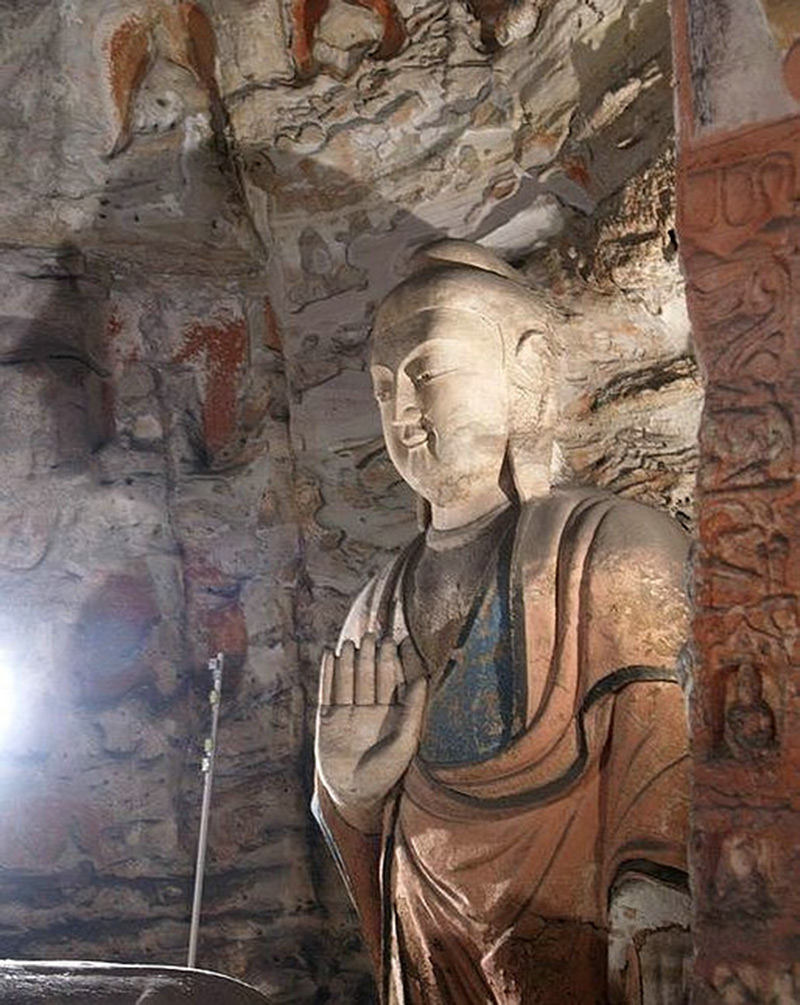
point(740, 228)
point(749, 718)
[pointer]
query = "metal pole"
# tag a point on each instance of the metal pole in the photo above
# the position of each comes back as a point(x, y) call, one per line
point(207, 767)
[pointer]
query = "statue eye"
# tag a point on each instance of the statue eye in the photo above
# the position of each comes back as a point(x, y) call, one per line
point(383, 392)
point(422, 378)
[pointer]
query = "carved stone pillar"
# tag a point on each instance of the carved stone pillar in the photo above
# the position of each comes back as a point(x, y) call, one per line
point(738, 73)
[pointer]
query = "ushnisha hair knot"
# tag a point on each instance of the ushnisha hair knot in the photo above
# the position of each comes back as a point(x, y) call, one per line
point(463, 276)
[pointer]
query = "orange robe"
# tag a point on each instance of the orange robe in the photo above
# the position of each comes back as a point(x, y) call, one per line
point(491, 881)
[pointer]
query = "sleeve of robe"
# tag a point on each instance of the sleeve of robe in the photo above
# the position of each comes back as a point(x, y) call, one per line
point(641, 620)
point(640, 599)
point(357, 855)
point(645, 784)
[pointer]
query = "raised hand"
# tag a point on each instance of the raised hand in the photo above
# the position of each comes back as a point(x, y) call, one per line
point(371, 703)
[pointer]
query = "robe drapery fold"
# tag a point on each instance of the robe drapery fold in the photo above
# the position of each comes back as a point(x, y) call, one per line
point(490, 881)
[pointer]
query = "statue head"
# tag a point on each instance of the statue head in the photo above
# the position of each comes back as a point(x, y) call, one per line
point(463, 368)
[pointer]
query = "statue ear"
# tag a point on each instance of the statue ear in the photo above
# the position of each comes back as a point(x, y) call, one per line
point(532, 406)
point(534, 351)
point(532, 374)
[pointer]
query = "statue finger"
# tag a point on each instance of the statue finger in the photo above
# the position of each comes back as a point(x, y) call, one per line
point(413, 667)
point(326, 668)
point(344, 675)
point(365, 671)
point(389, 675)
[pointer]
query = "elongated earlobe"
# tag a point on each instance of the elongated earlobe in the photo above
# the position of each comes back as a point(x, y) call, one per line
point(423, 513)
point(506, 479)
point(532, 390)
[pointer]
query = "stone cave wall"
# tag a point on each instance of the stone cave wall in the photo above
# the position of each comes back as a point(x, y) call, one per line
point(202, 204)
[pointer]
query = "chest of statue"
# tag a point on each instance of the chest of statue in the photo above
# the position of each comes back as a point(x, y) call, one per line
point(475, 705)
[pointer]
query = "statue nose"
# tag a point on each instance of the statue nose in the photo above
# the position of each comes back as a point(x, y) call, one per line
point(410, 425)
point(409, 414)
point(406, 412)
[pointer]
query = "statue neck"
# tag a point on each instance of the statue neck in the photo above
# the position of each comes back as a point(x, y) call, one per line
point(471, 510)
point(455, 538)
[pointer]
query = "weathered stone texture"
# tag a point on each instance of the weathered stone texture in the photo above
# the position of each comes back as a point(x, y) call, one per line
point(198, 221)
point(738, 226)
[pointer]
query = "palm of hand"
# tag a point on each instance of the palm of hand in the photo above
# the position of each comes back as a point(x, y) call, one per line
point(370, 714)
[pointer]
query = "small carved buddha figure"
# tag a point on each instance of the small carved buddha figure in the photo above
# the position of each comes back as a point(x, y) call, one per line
point(501, 739)
point(749, 720)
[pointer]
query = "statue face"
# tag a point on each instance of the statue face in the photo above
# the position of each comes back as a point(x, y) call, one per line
point(441, 388)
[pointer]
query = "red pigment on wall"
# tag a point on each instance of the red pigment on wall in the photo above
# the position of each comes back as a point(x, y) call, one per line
point(113, 326)
point(791, 70)
point(192, 42)
point(202, 43)
point(120, 343)
point(307, 14)
point(216, 618)
point(227, 630)
point(186, 38)
point(107, 654)
point(221, 348)
point(575, 170)
point(129, 56)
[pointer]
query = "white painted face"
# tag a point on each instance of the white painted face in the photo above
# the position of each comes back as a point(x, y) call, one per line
point(441, 387)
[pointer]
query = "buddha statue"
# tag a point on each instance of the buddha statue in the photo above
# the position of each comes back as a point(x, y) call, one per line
point(501, 745)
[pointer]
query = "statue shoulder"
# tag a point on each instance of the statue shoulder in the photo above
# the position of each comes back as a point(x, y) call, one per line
point(631, 529)
point(619, 530)
point(622, 573)
point(634, 537)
